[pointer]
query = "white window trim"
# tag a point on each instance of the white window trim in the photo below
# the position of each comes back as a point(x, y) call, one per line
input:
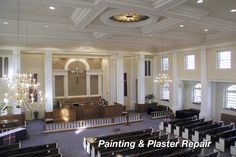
point(225, 97)
point(185, 63)
point(217, 59)
point(162, 63)
point(193, 95)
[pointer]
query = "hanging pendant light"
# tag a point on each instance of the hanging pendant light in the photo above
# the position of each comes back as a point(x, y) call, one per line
point(163, 78)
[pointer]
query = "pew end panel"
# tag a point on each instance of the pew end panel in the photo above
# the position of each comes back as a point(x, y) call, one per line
point(220, 145)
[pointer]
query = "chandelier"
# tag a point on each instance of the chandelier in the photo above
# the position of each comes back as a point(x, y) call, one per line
point(22, 93)
point(163, 79)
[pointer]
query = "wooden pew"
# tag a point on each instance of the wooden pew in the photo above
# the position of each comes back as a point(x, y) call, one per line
point(189, 129)
point(104, 151)
point(179, 126)
point(9, 147)
point(186, 153)
point(213, 154)
point(136, 151)
point(225, 141)
point(13, 136)
point(200, 132)
point(88, 142)
point(233, 149)
point(132, 138)
point(42, 153)
point(171, 124)
point(19, 151)
point(215, 137)
point(216, 131)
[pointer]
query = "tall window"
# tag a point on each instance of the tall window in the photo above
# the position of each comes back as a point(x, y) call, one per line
point(230, 97)
point(165, 92)
point(197, 93)
point(147, 68)
point(4, 65)
point(165, 63)
point(125, 85)
point(189, 62)
point(224, 60)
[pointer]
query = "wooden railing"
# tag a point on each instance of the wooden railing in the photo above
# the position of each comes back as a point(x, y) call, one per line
point(161, 114)
point(91, 123)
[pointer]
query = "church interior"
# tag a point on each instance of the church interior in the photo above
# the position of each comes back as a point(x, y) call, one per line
point(99, 78)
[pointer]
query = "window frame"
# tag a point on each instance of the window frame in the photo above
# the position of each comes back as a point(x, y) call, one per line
point(186, 61)
point(162, 65)
point(194, 88)
point(225, 98)
point(218, 60)
point(148, 69)
point(3, 69)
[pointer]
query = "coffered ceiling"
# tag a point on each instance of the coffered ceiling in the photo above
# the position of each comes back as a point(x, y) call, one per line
point(86, 23)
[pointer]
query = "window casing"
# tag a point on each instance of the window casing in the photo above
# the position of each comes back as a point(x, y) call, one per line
point(165, 92)
point(224, 60)
point(197, 89)
point(147, 67)
point(165, 64)
point(230, 97)
point(189, 62)
point(4, 66)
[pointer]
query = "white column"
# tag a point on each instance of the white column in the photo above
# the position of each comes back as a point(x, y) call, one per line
point(105, 79)
point(48, 81)
point(112, 68)
point(100, 85)
point(66, 85)
point(155, 73)
point(120, 79)
point(141, 79)
point(16, 61)
point(176, 86)
point(206, 107)
point(88, 85)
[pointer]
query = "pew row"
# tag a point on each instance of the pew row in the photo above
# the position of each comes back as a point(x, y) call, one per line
point(233, 149)
point(171, 124)
point(179, 126)
point(199, 133)
point(88, 142)
point(107, 151)
point(226, 140)
point(214, 134)
point(189, 129)
point(34, 151)
point(146, 151)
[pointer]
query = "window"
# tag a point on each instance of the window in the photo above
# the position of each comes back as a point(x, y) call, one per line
point(197, 93)
point(224, 60)
point(230, 97)
point(165, 63)
point(189, 62)
point(4, 64)
point(147, 68)
point(165, 92)
point(125, 85)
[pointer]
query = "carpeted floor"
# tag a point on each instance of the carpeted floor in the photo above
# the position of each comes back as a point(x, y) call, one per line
point(70, 142)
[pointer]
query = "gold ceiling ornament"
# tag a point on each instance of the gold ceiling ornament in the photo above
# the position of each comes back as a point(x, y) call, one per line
point(129, 17)
point(22, 93)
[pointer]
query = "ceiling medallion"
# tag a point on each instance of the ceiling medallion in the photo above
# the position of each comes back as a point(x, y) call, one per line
point(129, 17)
